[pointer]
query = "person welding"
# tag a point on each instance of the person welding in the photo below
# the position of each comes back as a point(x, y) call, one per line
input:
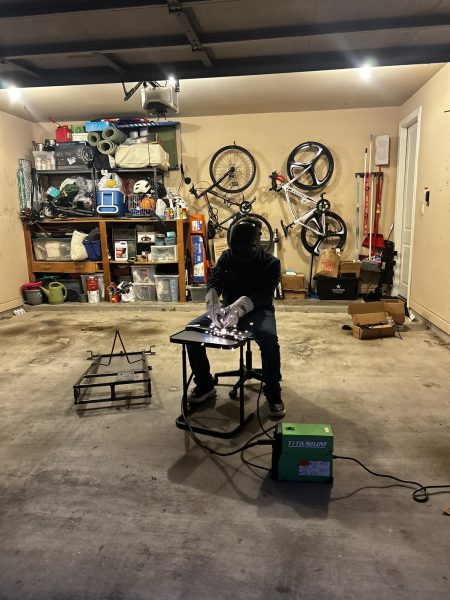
point(246, 277)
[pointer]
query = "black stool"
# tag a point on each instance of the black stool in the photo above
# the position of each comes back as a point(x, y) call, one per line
point(244, 375)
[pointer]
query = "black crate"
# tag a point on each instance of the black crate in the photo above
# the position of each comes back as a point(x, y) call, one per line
point(73, 155)
point(339, 288)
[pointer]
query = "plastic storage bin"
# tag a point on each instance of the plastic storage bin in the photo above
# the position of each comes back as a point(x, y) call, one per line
point(96, 125)
point(144, 292)
point(198, 292)
point(44, 160)
point(93, 249)
point(167, 288)
point(52, 249)
point(110, 203)
point(143, 274)
point(164, 254)
point(342, 288)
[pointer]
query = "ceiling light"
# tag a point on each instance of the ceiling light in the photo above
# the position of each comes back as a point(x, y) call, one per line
point(171, 80)
point(365, 72)
point(13, 93)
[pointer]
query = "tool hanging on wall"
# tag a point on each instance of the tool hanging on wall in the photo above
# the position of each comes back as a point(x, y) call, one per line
point(366, 186)
point(375, 240)
point(358, 205)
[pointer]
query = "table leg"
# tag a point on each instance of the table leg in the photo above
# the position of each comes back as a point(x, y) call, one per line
point(185, 384)
point(241, 385)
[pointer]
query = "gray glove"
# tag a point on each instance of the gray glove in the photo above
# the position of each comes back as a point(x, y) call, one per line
point(235, 311)
point(213, 307)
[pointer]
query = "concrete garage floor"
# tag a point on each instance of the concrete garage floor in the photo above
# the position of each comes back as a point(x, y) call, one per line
point(119, 504)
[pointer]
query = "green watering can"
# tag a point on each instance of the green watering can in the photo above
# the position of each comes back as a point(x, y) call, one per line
point(56, 292)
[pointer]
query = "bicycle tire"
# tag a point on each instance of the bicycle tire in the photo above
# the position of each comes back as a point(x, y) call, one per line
point(238, 157)
point(293, 164)
point(266, 242)
point(315, 247)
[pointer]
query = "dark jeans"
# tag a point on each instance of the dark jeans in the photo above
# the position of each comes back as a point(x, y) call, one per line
point(263, 326)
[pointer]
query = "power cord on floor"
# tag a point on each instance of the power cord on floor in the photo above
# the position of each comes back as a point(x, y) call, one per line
point(241, 450)
point(419, 495)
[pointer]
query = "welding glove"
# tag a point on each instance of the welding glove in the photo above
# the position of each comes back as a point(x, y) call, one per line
point(213, 308)
point(235, 311)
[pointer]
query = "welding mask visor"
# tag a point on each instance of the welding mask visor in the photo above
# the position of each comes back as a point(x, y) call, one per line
point(245, 240)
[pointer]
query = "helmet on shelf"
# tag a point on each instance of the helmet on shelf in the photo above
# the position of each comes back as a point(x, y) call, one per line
point(142, 186)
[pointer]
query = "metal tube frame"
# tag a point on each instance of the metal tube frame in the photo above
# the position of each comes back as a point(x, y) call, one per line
point(182, 423)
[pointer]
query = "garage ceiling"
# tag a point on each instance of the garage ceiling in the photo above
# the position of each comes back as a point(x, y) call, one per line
point(52, 42)
point(281, 92)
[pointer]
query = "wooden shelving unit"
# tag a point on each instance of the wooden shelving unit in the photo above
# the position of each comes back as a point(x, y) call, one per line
point(86, 266)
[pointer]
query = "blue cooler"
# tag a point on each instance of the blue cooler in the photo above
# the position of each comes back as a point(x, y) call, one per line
point(110, 203)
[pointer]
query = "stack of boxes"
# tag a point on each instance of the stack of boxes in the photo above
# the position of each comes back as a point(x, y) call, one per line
point(293, 286)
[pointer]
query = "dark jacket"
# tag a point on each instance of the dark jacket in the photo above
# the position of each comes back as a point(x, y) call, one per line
point(257, 280)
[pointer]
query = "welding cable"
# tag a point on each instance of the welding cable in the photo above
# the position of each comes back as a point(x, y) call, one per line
point(248, 444)
point(419, 495)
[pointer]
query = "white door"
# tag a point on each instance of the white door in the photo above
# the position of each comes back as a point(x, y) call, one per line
point(408, 211)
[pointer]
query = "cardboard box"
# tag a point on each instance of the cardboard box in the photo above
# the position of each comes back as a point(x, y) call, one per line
point(220, 245)
point(295, 294)
point(347, 266)
point(396, 308)
point(373, 314)
point(293, 283)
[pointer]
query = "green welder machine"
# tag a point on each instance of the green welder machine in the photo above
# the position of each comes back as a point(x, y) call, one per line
point(302, 452)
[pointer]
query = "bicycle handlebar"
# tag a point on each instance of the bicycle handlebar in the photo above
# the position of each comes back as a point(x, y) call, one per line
point(275, 178)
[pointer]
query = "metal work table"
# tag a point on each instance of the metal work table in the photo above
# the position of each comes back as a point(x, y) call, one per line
point(220, 343)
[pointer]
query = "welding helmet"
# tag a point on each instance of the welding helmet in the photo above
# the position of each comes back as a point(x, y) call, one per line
point(245, 240)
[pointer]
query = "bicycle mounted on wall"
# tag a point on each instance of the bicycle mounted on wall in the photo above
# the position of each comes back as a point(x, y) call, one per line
point(310, 167)
point(232, 170)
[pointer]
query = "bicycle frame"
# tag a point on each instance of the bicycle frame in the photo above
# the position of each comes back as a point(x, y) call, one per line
point(288, 189)
point(212, 211)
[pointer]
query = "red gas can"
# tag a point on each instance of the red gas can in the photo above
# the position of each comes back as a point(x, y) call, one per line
point(63, 134)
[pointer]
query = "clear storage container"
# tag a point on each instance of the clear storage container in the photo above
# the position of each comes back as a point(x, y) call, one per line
point(52, 249)
point(164, 254)
point(167, 288)
point(44, 160)
point(144, 292)
point(198, 292)
point(143, 274)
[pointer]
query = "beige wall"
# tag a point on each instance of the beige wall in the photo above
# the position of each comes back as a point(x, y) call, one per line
point(430, 280)
point(15, 136)
point(271, 137)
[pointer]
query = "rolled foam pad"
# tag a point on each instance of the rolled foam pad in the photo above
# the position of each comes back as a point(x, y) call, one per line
point(107, 147)
point(94, 137)
point(112, 134)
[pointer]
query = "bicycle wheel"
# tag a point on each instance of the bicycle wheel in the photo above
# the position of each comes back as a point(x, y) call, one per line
point(266, 229)
point(327, 230)
point(312, 163)
point(240, 162)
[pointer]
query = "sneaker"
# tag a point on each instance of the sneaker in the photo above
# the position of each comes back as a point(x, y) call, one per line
point(200, 394)
point(276, 408)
